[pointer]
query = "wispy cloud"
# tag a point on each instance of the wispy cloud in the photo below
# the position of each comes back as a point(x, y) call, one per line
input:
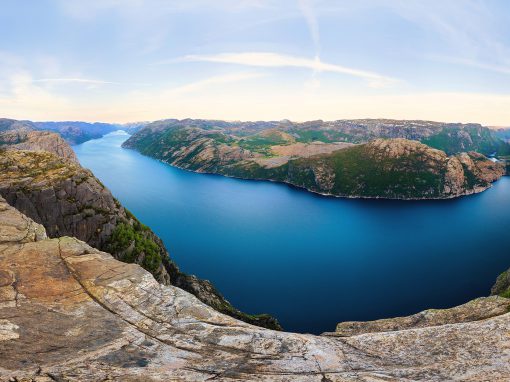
point(76, 80)
point(275, 60)
point(215, 80)
point(473, 63)
point(307, 9)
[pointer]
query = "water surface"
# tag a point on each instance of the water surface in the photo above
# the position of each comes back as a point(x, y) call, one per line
point(312, 261)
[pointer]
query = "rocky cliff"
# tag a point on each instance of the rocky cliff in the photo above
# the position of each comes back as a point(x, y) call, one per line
point(394, 169)
point(22, 135)
point(69, 312)
point(68, 200)
point(37, 141)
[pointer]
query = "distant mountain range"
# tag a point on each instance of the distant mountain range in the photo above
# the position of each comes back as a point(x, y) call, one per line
point(74, 132)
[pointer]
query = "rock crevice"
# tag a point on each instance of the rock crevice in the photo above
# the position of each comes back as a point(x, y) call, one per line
point(85, 316)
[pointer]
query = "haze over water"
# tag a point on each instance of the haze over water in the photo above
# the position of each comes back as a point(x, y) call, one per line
point(308, 260)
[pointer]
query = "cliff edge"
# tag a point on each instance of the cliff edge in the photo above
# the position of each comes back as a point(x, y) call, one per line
point(69, 312)
point(68, 200)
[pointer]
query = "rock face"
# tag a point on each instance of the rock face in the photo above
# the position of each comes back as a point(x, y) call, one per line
point(68, 200)
point(60, 194)
point(69, 312)
point(38, 141)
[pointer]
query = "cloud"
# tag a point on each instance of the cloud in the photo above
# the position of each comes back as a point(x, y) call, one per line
point(24, 99)
point(275, 60)
point(76, 80)
point(306, 8)
point(473, 63)
point(137, 10)
point(215, 80)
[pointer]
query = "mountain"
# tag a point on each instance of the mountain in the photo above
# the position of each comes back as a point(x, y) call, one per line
point(54, 190)
point(452, 138)
point(7, 124)
point(69, 312)
point(25, 139)
point(75, 132)
point(503, 133)
point(307, 155)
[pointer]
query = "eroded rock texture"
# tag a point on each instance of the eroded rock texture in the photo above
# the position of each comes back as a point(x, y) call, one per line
point(475, 310)
point(25, 139)
point(69, 312)
point(70, 201)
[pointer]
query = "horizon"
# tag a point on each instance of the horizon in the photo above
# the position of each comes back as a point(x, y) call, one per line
point(256, 60)
point(253, 121)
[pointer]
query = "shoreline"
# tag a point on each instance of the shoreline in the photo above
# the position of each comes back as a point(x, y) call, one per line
point(474, 191)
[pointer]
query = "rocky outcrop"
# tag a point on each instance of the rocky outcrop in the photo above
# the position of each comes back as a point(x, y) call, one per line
point(502, 285)
point(475, 310)
point(60, 194)
point(69, 312)
point(464, 173)
point(383, 168)
point(68, 200)
point(23, 139)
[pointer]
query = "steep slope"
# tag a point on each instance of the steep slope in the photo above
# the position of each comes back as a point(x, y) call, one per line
point(69, 312)
point(502, 285)
point(471, 137)
point(69, 200)
point(395, 169)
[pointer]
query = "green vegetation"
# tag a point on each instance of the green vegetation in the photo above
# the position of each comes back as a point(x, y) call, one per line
point(355, 171)
point(133, 243)
point(261, 143)
point(326, 136)
point(505, 294)
point(455, 140)
point(358, 172)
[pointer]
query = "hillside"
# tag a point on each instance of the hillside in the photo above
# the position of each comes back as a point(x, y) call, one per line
point(73, 132)
point(69, 312)
point(452, 138)
point(69, 201)
point(395, 168)
point(76, 132)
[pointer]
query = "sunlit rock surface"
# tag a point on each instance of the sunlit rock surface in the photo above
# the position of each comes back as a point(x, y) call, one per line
point(69, 312)
point(475, 310)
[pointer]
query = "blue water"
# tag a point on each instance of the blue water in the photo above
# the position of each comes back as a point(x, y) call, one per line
point(312, 261)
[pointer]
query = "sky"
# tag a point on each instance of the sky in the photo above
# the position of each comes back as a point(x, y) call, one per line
point(142, 60)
